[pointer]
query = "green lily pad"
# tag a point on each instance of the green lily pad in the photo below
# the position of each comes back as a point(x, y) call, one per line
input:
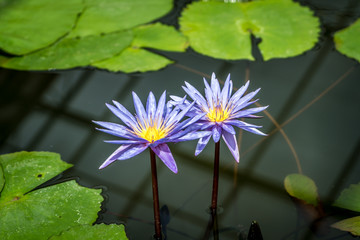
point(159, 36)
point(28, 25)
point(114, 15)
point(98, 231)
point(136, 59)
point(2, 180)
point(301, 187)
point(24, 171)
point(349, 198)
point(53, 209)
point(222, 30)
point(347, 41)
point(351, 225)
point(74, 52)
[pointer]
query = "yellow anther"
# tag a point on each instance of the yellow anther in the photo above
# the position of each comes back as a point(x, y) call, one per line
point(218, 114)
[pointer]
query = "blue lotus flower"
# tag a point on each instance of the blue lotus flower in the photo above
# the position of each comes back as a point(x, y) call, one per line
point(153, 128)
point(220, 112)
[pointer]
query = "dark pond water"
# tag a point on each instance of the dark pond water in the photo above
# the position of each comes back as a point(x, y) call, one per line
point(315, 96)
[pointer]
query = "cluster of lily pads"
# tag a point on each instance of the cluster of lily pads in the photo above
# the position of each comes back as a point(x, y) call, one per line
point(120, 35)
point(31, 210)
point(304, 190)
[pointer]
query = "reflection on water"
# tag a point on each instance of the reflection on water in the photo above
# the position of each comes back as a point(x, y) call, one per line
point(52, 111)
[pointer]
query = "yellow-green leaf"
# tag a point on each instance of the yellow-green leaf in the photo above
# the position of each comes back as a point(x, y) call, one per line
point(347, 41)
point(301, 187)
point(349, 198)
point(28, 25)
point(351, 225)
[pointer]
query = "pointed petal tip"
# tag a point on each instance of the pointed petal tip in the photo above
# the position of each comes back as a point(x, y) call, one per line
point(104, 165)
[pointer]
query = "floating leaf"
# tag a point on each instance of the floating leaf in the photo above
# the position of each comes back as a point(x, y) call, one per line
point(98, 231)
point(2, 180)
point(349, 198)
point(215, 29)
point(53, 209)
point(133, 60)
point(347, 41)
point(222, 30)
point(351, 225)
point(301, 187)
point(159, 36)
point(114, 15)
point(136, 59)
point(24, 171)
point(28, 25)
point(74, 52)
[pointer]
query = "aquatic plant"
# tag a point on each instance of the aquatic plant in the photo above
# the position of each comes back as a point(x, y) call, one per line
point(220, 111)
point(150, 128)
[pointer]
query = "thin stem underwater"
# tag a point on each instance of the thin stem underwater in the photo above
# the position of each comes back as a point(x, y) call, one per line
point(155, 190)
point(215, 178)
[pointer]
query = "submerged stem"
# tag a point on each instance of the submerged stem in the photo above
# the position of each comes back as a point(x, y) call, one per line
point(155, 190)
point(215, 178)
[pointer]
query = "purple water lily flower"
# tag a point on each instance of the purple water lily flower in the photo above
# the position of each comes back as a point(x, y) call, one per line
point(153, 128)
point(220, 112)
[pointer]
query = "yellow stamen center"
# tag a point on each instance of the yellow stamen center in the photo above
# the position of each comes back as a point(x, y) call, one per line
point(218, 114)
point(152, 132)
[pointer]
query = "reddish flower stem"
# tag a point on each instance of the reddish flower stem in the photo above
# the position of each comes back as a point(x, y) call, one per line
point(155, 190)
point(215, 178)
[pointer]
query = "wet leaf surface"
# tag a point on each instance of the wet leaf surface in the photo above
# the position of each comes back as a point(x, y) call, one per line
point(28, 25)
point(222, 30)
point(72, 52)
point(98, 231)
point(52, 209)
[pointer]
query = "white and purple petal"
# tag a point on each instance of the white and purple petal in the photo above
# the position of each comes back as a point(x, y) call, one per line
point(124, 152)
point(241, 124)
point(125, 111)
point(247, 112)
point(230, 140)
point(127, 135)
point(122, 116)
point(225, 93)
point(254, 130)
point(239, 93)
point(215, 86)
point(228, 128)
point(242, 101)
point(193, 135)
point(164, 153)
point(216, 133)
point(202, 143)
point(140, 110)
point(151, 107)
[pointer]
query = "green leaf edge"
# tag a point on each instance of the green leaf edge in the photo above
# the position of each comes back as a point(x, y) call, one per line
point(98, 227)
point(290, 187)
point(352, 192)
point(351, 225)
